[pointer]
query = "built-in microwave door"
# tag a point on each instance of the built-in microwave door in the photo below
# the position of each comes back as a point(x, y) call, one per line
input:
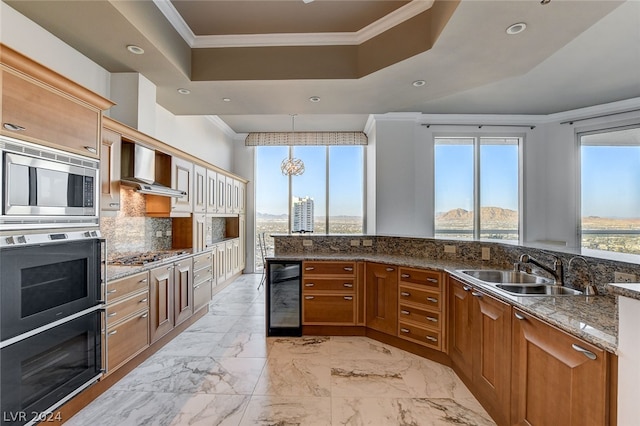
point(37, 187)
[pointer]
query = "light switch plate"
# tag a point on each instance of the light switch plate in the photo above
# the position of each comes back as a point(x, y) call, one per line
point(355, 243)
point(486, 253)
point(158, 234)
point(168, 233)
point(367, 243)
point(307, 243)
point(449, 249)
point(621, 277)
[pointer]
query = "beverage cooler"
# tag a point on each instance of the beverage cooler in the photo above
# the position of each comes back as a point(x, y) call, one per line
point(283, 298)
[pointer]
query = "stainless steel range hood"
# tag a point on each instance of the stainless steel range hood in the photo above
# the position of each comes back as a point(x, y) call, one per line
point(139, 171)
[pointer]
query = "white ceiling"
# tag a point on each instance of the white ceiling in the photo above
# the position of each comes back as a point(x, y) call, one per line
point(574, 53)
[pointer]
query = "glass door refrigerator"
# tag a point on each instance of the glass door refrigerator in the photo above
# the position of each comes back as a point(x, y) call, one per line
point(283, 295)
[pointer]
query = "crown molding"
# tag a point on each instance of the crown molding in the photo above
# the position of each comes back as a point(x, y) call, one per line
point(220, 124)
point(372, 30)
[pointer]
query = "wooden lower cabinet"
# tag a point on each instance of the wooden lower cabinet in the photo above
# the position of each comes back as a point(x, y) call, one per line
point(381, 290)
point(329, 295)
point(183, 288)
point(321, 309)
point(557, 379)
point(460, 334)
point(126, 339)
point(161, 307)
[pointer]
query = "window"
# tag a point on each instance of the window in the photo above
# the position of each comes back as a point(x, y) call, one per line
point(610, 190)
point(477, 187)
point(328, 196)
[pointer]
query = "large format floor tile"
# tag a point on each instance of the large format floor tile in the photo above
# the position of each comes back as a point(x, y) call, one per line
point(224, 371)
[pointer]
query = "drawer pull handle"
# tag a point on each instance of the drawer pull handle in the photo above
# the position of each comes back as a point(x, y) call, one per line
point(348, 269)
point(586, 353)
point(144, 315)
point(169, 268)
point(432, 319)
point(518, 316)
point(405, 330)
point(112, 291)
point(197, 286)
point(432, 299)
point(348, 297)
point(145, 300)
point(112, 314)
point(432, 280)
point(390, 269)
point(309, 268)
point(403, 312)
point(13, 127)
point(144, 280)
point(476, 294)
point(431, 338)
point(196, 276)
point(111, 333)
point(466, 288)
point(114, 204)
point(309, 284)
point(405, 294)
point(405, 276)
point(348, 285)
point(309, 297)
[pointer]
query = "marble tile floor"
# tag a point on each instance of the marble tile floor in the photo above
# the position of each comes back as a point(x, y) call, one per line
point(224, 371)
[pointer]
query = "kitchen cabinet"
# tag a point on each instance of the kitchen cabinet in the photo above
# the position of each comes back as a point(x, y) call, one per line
point(127, 319)
point(41, 106)
point(239, 196)
point(228, 194)
point(222, 193)
point(110, 170)
point(181, 179)
point(382, 298)
point(202, 278)
point(212, 192)
point(421, 307)
point(228, 258)
point(221, 263)
point(199, 189)
point(329, 293)
point(557, 379)
point(183, 290)
point(199, 231)
point(480, 346)
point(237, 257)
point(161, 294)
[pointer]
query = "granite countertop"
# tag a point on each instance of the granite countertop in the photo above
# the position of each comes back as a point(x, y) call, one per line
point(592, 318)
point(115, 272)
point(631, 290)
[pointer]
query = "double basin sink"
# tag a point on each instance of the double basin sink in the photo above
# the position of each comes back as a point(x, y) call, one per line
point(520, 283)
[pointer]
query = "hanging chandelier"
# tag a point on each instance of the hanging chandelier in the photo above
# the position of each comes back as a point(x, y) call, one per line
point(291, 166)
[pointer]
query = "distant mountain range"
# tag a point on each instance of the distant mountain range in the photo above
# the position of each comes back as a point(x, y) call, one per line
point(492, 214)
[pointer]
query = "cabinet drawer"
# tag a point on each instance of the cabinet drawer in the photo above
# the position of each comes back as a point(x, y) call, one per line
point(126, 340)
point(321, 309)
point(428, 298)
point(427, 318)
point(122, 309)
point(202, 275)
point(329, 284)
point(430, 279)
point(202, 261)
point(420, 335)
point(122, 288)
point(201, 294)
point(329, 268)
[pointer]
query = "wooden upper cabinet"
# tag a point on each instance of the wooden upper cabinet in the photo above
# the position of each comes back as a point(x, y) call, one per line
point(181, 179)
point(222, 193)
point(239, 196)
point(41, 106)
point(557, 379)
point(199, 189)
point(110, 170)
point(212, 192)
point(382, 298)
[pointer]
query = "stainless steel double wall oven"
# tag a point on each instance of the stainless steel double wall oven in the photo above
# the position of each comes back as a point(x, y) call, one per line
point(51, 280)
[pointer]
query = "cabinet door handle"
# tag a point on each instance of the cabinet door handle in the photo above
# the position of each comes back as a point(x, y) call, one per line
point(13, 127)
point(405, 330)
point(144, 300)
point(432, 299)
point(144, 280)
point(144, 315)
point(466, 288)
point(111, 291)
point(390, 269)
point(348, 297)
point(348, 269)
point(431, 338)
point(405, 294)
point(111, 333)
point(309, 268)
point(432, 319)
point(586, 353)
point(404, 312)
point(348, 285)
point(432, 280)
point(476, 294)
point(309, 297)
point(518, 316)
point(309, 284)
point(112, 314)
point(405, 276)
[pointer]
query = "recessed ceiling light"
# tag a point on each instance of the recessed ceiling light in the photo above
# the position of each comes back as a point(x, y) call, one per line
point(314, 99)
point(226, 99)
point(307, 1)
point(516, 28)
point(135, 49)
point(419, 83)
point(184, 91)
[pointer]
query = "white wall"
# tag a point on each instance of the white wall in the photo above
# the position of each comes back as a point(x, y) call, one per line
point(244, 165)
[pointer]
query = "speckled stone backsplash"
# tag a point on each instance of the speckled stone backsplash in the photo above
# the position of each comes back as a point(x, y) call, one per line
point(218, 229)
point(503, 256)
point(131, 231)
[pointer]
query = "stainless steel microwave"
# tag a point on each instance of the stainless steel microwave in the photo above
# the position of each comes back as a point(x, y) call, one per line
point(46, 188)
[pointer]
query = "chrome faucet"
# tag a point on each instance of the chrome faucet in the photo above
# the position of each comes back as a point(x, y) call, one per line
point(556, 270)
point(590, 288)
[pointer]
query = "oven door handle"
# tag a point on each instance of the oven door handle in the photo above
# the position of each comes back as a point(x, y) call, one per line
point(103, 270)
point(105, 346)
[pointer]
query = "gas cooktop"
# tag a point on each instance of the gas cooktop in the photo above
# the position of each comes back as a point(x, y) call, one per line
point(147, 257)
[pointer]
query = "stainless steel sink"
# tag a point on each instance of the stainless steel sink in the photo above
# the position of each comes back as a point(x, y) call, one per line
point(539, 290)
point(510, 277)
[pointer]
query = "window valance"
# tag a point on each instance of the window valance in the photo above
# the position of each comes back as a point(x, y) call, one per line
point(305, 138)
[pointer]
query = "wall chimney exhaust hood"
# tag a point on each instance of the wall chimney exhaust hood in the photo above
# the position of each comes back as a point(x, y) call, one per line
point(139, 171)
